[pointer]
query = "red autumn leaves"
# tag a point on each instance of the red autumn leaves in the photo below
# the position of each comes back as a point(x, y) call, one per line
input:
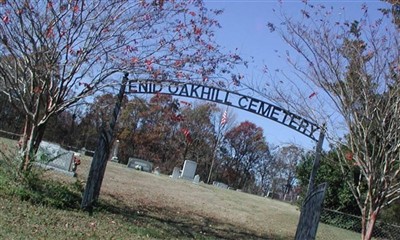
point(350, 159)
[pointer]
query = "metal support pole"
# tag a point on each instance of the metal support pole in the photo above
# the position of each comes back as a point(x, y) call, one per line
point(101, 155)
point(213, 158)
point(317, 160)
point(312, 205)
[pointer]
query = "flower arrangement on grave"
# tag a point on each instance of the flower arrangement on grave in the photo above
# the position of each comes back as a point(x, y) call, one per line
point(77, 162)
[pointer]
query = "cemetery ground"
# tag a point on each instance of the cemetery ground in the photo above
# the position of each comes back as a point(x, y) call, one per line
point(140, 205)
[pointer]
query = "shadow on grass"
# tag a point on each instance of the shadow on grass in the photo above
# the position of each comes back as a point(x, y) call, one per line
point(178, 226)
point(166, 223)
point(161, 223)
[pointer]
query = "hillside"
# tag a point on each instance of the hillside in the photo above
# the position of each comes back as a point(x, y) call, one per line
point(202, 208)
point(138, 205)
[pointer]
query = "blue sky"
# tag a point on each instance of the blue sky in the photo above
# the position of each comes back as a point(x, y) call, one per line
point(244, 27)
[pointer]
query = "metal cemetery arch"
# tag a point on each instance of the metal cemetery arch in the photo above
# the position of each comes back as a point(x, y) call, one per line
point(230, 98)
point(308, 222)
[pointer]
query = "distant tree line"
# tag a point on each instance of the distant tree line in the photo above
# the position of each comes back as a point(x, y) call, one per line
point(167, 131)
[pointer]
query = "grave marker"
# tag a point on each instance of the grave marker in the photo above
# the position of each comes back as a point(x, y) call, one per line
point(114, 158)
point(220, 185)
point(140, 164)
point(53, 156)
point(189, 170)
point(156, 171)
point(196, 179)
point(176, 173)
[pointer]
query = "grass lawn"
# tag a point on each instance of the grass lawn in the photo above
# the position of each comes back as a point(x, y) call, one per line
point(139, 205)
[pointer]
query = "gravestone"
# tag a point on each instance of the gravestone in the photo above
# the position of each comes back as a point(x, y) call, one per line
point(176, 173)
point(114, 157)
point(189, 170)
point(140, 164)
point(53, 156)
point(196, 179)
point(220, 185)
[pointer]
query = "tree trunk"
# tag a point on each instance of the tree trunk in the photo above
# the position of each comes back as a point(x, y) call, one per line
point(23, 141)
point(369, 226)
point(39, 137)
point(31, 141)
point(363, 223)
point(29, 152)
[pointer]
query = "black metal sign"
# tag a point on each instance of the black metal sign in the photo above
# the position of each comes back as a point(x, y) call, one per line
point(230, 98)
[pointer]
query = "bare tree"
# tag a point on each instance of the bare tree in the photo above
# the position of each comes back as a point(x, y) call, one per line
point(287, 158)
point(55, 53)
point(277, 171)
point(266, 171)
point(347, 75)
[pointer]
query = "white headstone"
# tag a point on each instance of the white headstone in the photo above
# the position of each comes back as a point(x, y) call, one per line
point(176, 172)
point(189, 169)
point(196, 179)
point(53, 156)
point(114, 158)
point(220, 185)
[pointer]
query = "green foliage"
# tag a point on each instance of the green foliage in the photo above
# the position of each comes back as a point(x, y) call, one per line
point(391, 213)
point(49, 192)
point(338, 195)
point(31, 186)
